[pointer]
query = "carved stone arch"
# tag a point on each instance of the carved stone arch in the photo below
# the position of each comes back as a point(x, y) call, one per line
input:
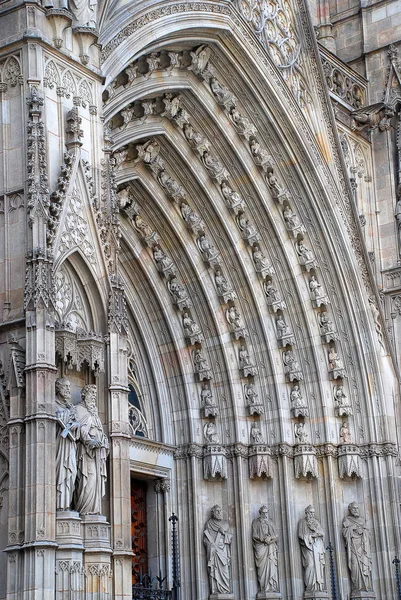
point(52, 77)
point(12, 71)
point(69, 84)
point(91, 294)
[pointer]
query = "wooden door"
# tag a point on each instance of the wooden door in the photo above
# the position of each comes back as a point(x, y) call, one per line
point(139, 532)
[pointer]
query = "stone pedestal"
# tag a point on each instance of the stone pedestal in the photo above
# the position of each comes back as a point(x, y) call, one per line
point(214, 462)
point(221, 597)
point(362, 595)
point(260, 463)
point(268, 595)
point(305, 464)
point(69, 556)
point(97, 557)
point(349, 464)
point(323, 595)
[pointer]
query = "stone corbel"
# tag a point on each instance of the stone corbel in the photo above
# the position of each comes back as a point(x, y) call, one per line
point(86, 37)
point(349, 464)
point(259, 461)
point(214, 462)
point(305, 462)
point(60, 19)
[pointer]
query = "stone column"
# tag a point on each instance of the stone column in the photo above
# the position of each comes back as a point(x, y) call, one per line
point(40, 432)
point(96, 537)
point(120, 483)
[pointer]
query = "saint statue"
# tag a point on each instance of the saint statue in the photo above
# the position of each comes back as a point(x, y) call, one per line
point(84, 11)
point(92, 451)
point(264, 537)
point(256, 434)
point(345, 434)
point(311, 539)
point(357, 543)
point(66, 453)
point(217, 540)
point(210, 433)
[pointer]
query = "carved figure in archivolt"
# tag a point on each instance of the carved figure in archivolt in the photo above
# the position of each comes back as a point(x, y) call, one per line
point(217, 540)
point(92, 450)
point(264, 537)
point(66, 453)
point(357, 544)
point(311, 539)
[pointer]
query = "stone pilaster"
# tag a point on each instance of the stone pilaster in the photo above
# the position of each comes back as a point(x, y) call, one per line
point(120, 489)
point(69, 556)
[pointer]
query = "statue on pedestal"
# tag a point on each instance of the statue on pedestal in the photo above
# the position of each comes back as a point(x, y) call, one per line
point(264, 537)
point(311, 539)
point(217, 540)
point(357, 543)
point(66, 453)
point(84, 12)
point(92, 450)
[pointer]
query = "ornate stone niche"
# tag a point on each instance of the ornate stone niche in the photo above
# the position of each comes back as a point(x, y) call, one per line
point(305, 462)
point(164, 264)
point(214, 462)
point(224, 289)
point(317, 293)
point(349, 462)
point(292, 223)
point(262, 266)
point(78, 347)
point(299, 406)
point(260, 461)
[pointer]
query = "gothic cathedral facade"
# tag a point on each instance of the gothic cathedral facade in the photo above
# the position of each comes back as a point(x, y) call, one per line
point(200, 299)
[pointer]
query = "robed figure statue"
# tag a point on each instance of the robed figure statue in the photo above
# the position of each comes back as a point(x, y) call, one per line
point(311, 539)
point(217, 540)
point(357, 543)
point(92, 450)
point(66, 450)
point(264, 539)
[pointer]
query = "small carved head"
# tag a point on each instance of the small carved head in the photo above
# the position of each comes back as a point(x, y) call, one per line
point(88, 396)
point(63, 388)
point(310, 511)
point(353, 509)
point(264, 511)
point(216, 512)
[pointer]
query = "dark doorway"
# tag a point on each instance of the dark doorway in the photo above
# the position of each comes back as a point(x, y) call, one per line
point(139, 534)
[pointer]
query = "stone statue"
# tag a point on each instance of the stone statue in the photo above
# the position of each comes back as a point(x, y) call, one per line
point(345, 434)
point(212, 164)
point(192, 219)
point(317, 292)
point(397, 214)
point(282, 328)
point(301, 435)
point(264, 537)
point(299, 406)
point(199, 59)
point(357, 543)
point(232, 198)
point(260, 155)
point(210, 433)
point(92, 451)
point(274, 185)
point(244, 360)
point(222, 285)
point(335, 362)
point(291, 219)
point(171, 186)
point(84, 11)
point(66, 453)
point(163, 262)
point(311, 539)
point(242, 124)
point(251, 395)
point(208, 402)
point(194, 138)
point(222, 94)
point(178, 292)
point(206, 247)
point(248, 230)
point(217, 540)
point(234, 318)
point(190, 327)
point(256, 434)
point(305, 254)
point(343, 407)
point(259, 259)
